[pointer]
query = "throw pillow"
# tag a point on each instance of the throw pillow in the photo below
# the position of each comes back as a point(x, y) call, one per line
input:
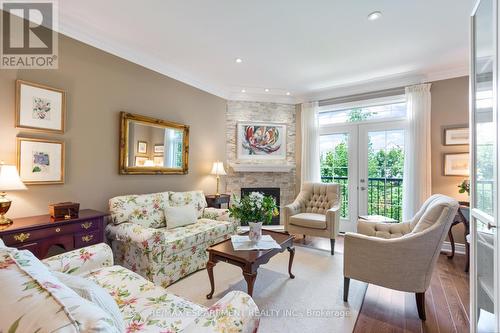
point(195, 198)
point(180, 216)
point(148, 217)
point(95, 294)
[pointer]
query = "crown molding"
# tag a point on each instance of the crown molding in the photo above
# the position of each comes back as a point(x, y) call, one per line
point(449, 73)
point(382, 83)
point(255, 97)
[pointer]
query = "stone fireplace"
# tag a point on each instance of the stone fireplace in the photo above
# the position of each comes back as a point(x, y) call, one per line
point(278, 175)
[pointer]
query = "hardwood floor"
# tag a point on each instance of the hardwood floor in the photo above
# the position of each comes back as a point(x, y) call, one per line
point(386, 310)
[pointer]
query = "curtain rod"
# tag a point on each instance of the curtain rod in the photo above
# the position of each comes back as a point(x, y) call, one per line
point(363, 96)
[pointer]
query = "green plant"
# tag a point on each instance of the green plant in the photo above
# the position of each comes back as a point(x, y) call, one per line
point(464, 187)
point(254, 207)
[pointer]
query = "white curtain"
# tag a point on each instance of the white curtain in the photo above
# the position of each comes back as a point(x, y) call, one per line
point(310, 169)
point(417, 164)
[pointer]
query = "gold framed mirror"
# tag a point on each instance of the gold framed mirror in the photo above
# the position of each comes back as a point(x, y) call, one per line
point(150, 146)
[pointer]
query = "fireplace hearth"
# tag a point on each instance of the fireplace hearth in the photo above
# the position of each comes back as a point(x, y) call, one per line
point(272, 191)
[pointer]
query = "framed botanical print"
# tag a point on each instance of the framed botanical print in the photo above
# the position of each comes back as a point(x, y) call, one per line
point(40, 107)
point(140, 160)
point(142, 147)
point(261, 141)
point(158, 160)
point(159, 149)
point(456, 164)
point(40, 161)
point(454, 136)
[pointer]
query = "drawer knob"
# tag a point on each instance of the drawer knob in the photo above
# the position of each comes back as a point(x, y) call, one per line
point(22, 237)
point(58, 229)
point(86, 225)
point(87, 238)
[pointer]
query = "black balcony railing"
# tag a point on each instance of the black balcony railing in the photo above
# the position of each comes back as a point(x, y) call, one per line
point(385, 196)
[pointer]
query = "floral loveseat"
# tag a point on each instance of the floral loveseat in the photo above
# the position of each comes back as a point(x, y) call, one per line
point(34, 300)
point(141, 242)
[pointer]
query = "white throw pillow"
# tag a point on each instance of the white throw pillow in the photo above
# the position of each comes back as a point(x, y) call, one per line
point(95, 294)
point(180, 216)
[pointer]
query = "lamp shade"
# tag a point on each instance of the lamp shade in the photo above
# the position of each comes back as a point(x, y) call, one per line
point(9, 179)
point(218, 169)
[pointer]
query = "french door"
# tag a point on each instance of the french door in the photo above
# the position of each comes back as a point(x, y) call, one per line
point(366, 160)
point(484, 279)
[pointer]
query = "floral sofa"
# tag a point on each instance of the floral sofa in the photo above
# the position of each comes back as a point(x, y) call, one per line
point(142, 243)
point(31, 295)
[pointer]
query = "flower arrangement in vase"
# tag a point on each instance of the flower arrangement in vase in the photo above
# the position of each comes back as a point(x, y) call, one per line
point(255, 209)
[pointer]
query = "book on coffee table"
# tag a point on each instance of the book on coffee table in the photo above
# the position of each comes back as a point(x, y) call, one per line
point(243, 243)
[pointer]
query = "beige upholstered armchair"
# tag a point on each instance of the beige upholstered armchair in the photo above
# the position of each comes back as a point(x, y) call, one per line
point(400, 256)
point(315, 212)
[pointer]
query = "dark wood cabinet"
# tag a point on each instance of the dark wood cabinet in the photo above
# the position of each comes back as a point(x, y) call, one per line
point(38, 233)
point(216, 201)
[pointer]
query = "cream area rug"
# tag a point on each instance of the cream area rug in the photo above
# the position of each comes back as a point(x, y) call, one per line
point(312, 302)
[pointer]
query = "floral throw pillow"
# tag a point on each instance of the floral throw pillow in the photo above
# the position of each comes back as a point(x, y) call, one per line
point(195, 198)
point(123, 206)
point(148, 217)
point(217, 214)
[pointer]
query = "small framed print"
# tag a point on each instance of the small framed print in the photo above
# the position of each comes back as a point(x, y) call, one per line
point(40, 107)
point(456, 164)
point(455, 136)
point(40, 161)
point(159, 149)
point(158, 161)
point(140, 161)
point(142, 147)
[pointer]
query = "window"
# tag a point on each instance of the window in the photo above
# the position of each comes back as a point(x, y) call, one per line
point(362, 150)
point(380, 109)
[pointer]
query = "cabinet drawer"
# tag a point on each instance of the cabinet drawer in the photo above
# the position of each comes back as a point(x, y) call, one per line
point(87, 238)
point(22, 237)
point(32, 247)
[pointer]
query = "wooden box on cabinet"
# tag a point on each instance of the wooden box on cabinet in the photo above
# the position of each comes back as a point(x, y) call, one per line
point(38, 233)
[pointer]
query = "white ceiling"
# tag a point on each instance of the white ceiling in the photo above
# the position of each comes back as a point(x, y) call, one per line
point(313, 49)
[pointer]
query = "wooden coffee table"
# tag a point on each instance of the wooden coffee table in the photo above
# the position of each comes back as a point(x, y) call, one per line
point(249, 261)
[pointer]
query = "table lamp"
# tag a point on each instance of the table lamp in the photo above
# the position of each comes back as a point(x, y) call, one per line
point(9, 181)
point(218, 170)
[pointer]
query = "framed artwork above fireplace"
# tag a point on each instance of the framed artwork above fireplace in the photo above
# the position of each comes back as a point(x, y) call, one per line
point(261, 141)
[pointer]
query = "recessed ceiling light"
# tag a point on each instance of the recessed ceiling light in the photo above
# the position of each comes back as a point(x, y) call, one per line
point(288, 93)
point(243, 91)
point(238, 60)
point(374, 16)
point(266, 90)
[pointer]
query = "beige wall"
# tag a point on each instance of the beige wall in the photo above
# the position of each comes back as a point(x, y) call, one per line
point(99, 86)
point(450, 106)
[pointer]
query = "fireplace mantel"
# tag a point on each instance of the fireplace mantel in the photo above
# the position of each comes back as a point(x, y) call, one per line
point(261, 167)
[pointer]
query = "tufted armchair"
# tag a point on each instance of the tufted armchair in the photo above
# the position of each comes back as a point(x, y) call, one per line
point(400, 256)
point(315, 212)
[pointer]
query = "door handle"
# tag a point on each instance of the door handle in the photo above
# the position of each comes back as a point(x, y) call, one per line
point(491, 226)
point(362, 188)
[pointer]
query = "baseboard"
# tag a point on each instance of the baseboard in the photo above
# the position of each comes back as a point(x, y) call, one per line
point(459, 247)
